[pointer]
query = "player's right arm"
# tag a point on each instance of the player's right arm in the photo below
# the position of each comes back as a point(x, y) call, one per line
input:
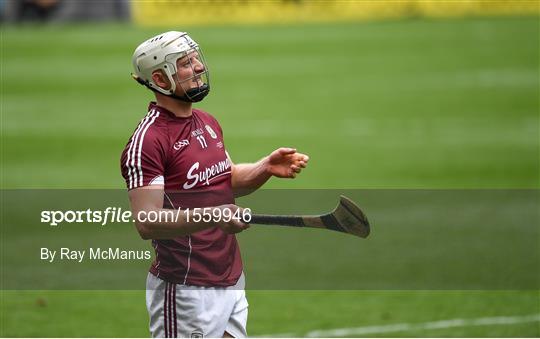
point(150, 199)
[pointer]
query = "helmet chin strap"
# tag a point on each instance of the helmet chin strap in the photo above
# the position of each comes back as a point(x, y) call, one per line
point(192, 94)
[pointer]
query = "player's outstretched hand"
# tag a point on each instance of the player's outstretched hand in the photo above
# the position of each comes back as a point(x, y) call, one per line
point(286, 162)
point(231, 225)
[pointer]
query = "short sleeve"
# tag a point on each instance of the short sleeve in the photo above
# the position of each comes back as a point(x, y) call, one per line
point(142, 160)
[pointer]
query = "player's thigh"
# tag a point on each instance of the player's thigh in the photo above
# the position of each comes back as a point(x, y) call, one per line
point(203, 311)
point(156, 295)
point(237, 324)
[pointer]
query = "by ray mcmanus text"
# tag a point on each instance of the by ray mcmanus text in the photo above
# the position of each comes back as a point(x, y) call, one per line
point(80, 255)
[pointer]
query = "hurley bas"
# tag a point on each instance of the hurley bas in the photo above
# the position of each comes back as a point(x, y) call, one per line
point(69, 254)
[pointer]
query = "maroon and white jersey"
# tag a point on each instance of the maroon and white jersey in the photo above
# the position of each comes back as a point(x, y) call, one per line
point(188, 157)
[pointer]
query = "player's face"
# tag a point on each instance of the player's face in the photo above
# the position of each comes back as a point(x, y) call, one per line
point(189, 69)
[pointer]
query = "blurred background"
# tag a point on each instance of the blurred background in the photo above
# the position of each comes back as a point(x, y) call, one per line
point(380, 94)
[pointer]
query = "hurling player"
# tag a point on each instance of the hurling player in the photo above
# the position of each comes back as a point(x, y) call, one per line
point(176, 158)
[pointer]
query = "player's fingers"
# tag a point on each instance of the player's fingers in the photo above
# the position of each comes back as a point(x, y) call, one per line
point(286, 150)
point(236, 227)
point(300, 158)
point(296, 169)
point(241, 225)
point(240, 222)
point(302, 164)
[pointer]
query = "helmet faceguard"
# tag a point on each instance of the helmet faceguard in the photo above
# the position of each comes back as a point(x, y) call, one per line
point(162, 52)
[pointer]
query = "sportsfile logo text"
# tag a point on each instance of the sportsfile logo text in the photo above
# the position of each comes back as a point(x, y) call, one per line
point(118, 215)
point(102, 217)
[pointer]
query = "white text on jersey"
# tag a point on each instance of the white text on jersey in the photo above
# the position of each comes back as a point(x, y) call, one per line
point(207, 174)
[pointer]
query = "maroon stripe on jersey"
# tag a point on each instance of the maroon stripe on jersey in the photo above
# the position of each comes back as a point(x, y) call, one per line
point(155, 245)
point(165, 310)
point(188, 259)
point(130, 162)
point(170, 311)
point(174, 308)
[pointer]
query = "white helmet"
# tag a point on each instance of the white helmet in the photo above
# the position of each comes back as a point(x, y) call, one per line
point(161, 53)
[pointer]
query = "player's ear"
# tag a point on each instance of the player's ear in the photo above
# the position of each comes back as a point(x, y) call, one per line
point(160, 79)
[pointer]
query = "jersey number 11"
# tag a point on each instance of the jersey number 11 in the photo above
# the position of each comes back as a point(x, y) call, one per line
point(202, 141)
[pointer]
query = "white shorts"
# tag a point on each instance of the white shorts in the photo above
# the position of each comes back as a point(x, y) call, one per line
point(195, 312)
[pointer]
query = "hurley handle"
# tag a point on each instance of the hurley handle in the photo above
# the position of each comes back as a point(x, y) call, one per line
point(284, 220)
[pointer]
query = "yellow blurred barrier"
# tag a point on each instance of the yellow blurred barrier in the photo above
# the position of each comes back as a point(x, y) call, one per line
point(218, 12)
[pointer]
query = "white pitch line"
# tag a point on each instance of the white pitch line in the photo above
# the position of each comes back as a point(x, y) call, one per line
point(405, 327)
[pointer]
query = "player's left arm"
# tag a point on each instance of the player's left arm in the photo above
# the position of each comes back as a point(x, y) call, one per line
point(282, 163)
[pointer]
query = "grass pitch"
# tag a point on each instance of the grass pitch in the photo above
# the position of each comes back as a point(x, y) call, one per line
point(405, 104)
